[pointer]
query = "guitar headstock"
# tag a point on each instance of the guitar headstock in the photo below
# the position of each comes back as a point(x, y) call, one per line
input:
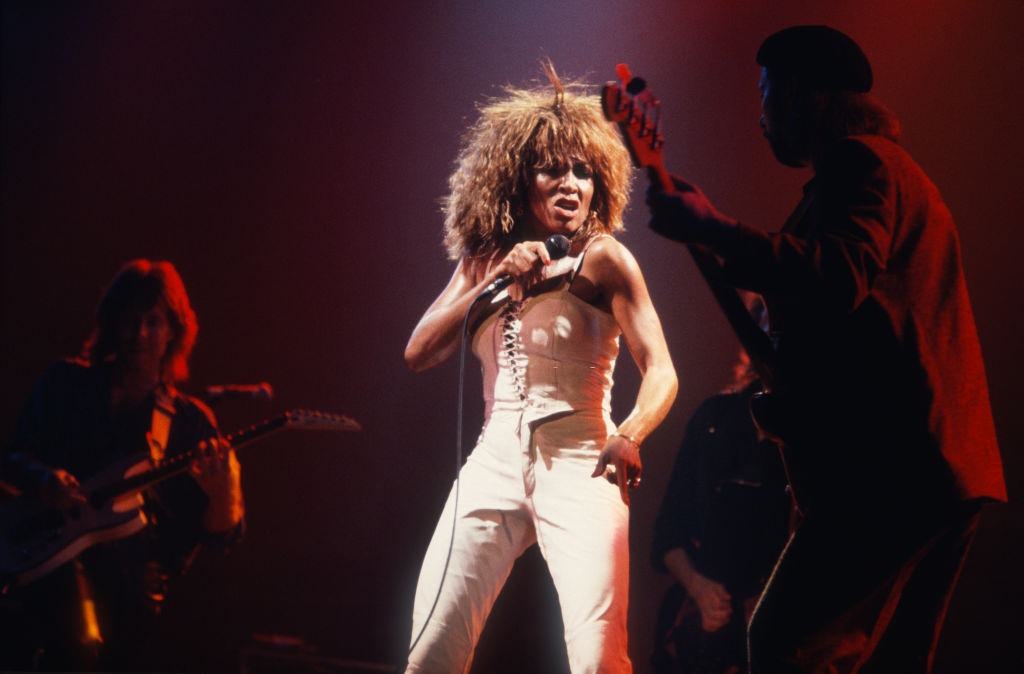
point(631, 105)
point(315, 420)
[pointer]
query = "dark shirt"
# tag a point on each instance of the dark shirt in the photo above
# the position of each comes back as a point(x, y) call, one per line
point(726, 503)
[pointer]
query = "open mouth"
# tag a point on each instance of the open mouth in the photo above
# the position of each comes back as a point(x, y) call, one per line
point(568, 206)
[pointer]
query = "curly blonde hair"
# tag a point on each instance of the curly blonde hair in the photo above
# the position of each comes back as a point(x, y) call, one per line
point(524, 130)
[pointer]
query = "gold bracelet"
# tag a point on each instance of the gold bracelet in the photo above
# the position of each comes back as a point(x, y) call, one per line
point(629, 438)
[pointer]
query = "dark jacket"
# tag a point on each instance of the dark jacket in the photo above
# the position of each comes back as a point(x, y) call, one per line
point(726, 504)
point(879, 353)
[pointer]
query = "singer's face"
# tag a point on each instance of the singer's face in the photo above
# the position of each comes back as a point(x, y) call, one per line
point(559, 198)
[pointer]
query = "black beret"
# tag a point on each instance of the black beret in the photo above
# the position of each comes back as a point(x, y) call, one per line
point(819, 57)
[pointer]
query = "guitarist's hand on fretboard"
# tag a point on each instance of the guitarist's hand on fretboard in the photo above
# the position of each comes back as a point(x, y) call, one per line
point(685, 214)
point(218, 472)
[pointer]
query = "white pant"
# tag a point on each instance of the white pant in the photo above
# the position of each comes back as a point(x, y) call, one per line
point(518, 488)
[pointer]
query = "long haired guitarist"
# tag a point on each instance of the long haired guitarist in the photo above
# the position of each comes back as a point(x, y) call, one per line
point(117, 401)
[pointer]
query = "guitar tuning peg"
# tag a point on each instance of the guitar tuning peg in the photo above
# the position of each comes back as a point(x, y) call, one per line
point(636, 85)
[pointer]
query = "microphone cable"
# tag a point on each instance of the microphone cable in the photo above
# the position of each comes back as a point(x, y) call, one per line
point(464, 334)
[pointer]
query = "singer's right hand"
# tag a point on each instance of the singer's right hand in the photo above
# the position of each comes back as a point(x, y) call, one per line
point(524, 263)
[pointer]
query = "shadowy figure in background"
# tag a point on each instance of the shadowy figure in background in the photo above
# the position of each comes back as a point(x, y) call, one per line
point(883, 403)
point(722, 523)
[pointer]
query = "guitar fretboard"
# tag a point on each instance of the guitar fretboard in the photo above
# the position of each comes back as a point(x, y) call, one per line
point(179, 463)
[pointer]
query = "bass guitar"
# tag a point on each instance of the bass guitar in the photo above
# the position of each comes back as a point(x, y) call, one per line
point(35, 540)
point(630, 104)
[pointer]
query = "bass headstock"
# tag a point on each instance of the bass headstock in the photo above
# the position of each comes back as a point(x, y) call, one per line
point(637, 111)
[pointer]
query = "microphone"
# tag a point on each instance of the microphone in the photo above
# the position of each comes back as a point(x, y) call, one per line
point(558, 247)
point(261, 391)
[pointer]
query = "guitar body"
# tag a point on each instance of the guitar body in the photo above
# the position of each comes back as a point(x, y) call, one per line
point(35, 540)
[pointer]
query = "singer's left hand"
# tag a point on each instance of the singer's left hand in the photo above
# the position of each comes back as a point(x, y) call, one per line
point(621, 461)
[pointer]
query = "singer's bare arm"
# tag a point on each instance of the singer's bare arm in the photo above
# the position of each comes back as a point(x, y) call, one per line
point(616, 276)
point(436, 336)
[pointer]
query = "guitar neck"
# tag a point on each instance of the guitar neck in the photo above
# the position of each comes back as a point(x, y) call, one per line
point(757, 345)
point(180, 463)
point(657, 173)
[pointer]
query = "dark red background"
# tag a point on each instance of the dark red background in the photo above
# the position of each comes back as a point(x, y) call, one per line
point(289, 157)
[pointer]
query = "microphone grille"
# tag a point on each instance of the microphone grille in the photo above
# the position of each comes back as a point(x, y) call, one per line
point(558, 246)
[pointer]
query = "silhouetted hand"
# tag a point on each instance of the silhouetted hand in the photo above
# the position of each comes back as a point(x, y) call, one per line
point(686, 215)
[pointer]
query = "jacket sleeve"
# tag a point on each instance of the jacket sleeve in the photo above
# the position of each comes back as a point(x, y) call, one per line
point(835, 264)
point(31, 453)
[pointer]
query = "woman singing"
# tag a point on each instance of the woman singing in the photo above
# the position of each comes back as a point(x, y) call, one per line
point(540, 162)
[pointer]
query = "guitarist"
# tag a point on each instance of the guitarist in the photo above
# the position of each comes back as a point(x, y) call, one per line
point(118, 399)
point(882, 401)
point(723, 520)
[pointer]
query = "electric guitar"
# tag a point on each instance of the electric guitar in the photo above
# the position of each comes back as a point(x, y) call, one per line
point(35, 540)
point(631, 105)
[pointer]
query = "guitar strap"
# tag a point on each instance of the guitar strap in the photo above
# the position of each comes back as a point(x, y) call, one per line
point(91, 635)
point(160, 428)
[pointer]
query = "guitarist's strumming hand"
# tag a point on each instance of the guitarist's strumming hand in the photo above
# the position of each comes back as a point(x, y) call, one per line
point(217, 471)
point(686, 215)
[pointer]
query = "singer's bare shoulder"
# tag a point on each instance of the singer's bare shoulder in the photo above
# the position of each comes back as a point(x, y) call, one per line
point(609, 261)
point(609, 268)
